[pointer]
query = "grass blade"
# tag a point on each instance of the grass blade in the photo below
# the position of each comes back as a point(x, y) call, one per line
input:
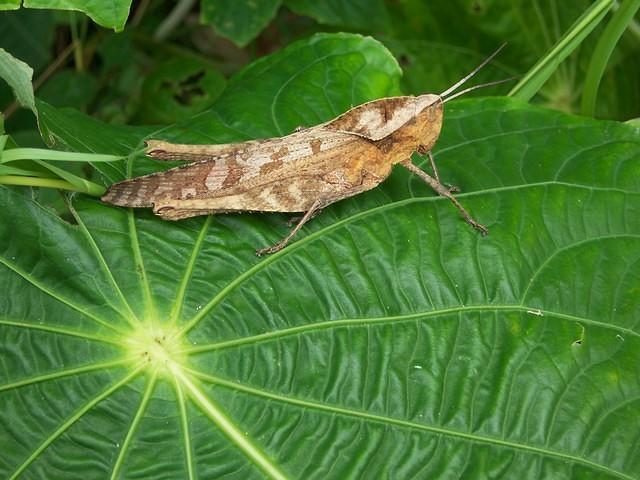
point(601, 54)
point(535, 78)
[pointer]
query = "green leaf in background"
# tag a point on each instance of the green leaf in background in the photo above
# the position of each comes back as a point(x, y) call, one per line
point(439, 42)
point(367, 15)
point(27, 35)
point(110, 14)
point(18, 75)
point(178, 89)
point(269, 92)
point(69, 88)
point(433, 67)
point(133, 347)
point(238, 20)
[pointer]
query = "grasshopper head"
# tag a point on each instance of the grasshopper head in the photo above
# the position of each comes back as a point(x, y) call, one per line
point(428, 121)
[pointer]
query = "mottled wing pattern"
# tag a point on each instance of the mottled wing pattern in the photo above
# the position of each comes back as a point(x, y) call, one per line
point(186, 181)
point(377, 119)
point(243, 176)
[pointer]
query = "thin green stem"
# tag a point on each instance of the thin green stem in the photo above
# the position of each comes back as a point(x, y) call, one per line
point(634, 27)
point(65, 180)
point(601, 54)
point(76, 42)
point(95, 190)
point(7, 170)
point(79, 182)
point(139, 13)
point(535, 78)
point(56, 155)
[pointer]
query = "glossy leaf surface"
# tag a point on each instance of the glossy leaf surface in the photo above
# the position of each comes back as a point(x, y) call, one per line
point(388, 340)
point(110, 14)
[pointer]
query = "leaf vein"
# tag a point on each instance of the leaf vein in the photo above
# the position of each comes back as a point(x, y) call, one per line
point(330, 324)
point(71, 420)
point(58, 296)
point(261, 265)
point(386, 420)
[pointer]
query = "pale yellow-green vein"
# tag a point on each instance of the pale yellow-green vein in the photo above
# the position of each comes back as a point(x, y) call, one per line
point(71, 420)
point(103, 264)
point(355, 322)
point(65, 373)
point(184, 420)
point(228, 427)
point(437, 430)
point(59, 330)
point(134, 425)
point(179, 301)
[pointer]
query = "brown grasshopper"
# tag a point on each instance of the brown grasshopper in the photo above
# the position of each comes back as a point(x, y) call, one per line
point(301, 172)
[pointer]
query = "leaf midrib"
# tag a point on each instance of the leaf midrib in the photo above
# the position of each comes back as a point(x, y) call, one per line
point(329, 324)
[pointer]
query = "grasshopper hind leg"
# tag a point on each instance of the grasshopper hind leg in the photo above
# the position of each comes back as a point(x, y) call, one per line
point(316, 207)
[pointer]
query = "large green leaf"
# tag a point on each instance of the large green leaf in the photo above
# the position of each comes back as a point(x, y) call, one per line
point(238, 20)
point(27, 35)
point(177, 89)
point(390, 340)
point(368, 15)
point(110, 14)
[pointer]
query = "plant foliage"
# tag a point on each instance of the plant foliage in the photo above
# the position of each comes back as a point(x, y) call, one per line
point(389, 340)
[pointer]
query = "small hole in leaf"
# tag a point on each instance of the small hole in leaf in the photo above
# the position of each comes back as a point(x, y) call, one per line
point(404, 60)
point(477, 8)
point(189, 88)
point(579, 340)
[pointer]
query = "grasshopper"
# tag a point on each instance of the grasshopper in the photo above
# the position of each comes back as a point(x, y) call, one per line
point(302, 172)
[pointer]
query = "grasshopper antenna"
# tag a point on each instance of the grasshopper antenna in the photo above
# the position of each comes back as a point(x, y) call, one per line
point(454, 87)
point(475, 87)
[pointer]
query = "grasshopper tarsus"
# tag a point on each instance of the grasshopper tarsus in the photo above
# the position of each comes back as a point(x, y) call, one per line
point(484, 231)
point(268, 250)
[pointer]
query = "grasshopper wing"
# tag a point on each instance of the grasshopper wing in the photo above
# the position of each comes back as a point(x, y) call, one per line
point(219, 170)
